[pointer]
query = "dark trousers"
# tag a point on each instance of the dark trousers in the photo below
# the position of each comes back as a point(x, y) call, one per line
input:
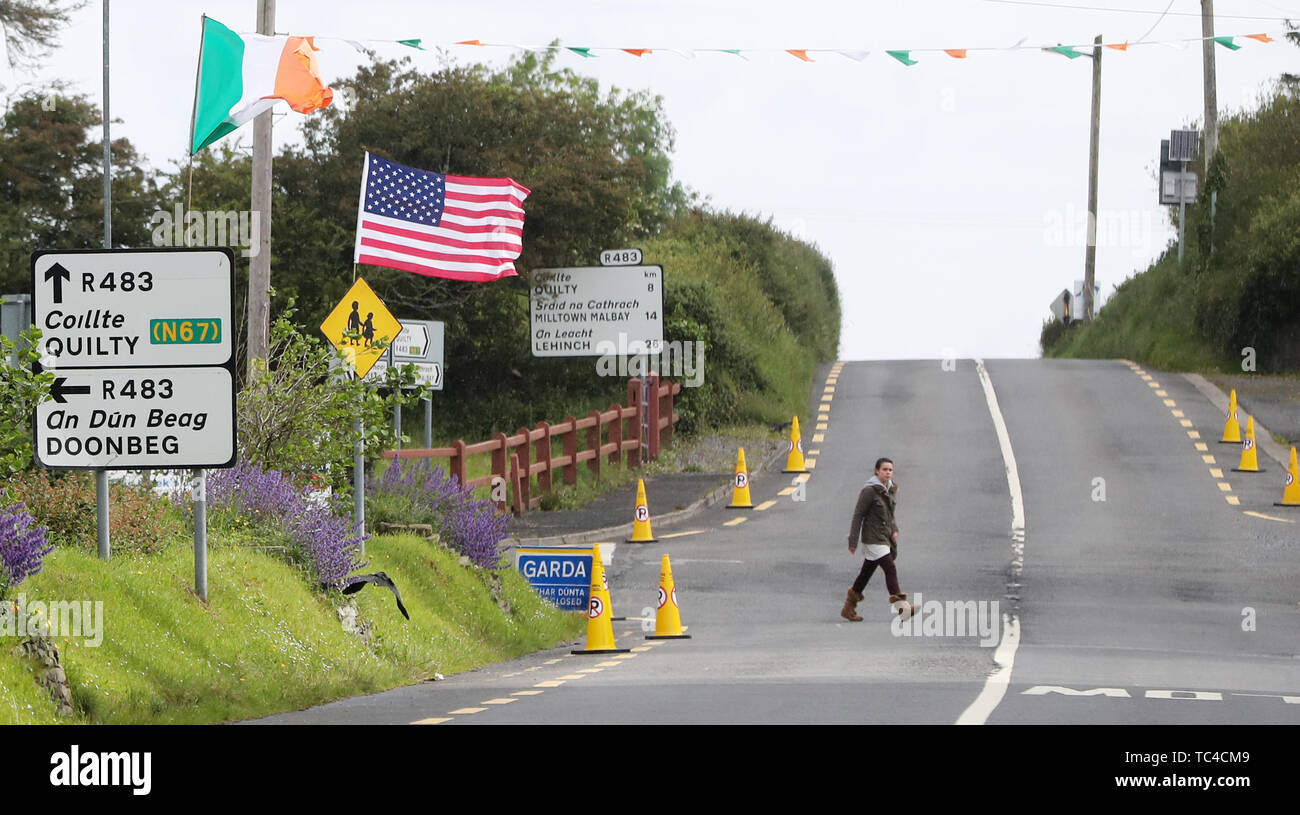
point(886, 565)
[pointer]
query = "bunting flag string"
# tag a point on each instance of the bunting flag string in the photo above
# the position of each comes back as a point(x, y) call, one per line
point(905, 56)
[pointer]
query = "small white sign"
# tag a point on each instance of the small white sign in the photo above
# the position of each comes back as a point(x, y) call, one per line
point(620, 257)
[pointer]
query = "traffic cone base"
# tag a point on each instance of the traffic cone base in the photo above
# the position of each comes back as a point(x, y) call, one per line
point(1256, 470)
point(604, 651)
point(668, 636)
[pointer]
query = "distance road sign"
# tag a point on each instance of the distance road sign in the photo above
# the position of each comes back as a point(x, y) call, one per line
point(597, 310)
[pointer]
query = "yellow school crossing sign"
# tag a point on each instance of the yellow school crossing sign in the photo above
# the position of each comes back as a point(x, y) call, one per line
point(361, 326)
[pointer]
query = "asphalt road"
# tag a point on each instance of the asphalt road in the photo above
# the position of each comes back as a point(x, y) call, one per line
point(1136, 591)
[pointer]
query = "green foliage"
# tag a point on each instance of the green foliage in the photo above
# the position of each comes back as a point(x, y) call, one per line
point(21, 390)
point(64, 503)
point(297, 411)
point(1239, 283)
point(31, 27)
point(51, 184)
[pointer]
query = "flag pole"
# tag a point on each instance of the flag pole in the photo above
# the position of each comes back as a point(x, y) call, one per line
point(101, 476)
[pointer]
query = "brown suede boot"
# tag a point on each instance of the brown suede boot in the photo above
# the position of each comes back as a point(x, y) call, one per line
point(850, 610)
point(905, 609)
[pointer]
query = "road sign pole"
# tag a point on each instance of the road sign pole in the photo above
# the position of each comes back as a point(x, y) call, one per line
point(1182, 207)
point(101, 476)
point(201, 534)
point(397, 423)
point(428, 423)
point(359, 481)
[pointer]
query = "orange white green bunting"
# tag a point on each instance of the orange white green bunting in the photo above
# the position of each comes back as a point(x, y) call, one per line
point(241, 76)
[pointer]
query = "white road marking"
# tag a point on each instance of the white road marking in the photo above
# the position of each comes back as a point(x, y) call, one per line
point(995, 687)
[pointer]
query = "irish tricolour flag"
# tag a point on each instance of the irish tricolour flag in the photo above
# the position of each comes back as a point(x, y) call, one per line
point(241, 76)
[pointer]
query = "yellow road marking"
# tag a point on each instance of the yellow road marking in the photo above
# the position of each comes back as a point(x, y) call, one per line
point(465, 711)
point(1200, 445)
point(1170, 403)
point(550, 662)
point(1216, 472)
point(814, 452)
point(1193, 434)
point(1146, 377)
point(1232, 499)
point(810, 463)
point(828, 397)
point(1186, 422)
point(608, 664)
point(584, 671)
point(1177, 413)
point(502, 701)
point(820, 426)
point(571, 676)
point(735, 522)
point(818, 437)
point(1153, 384)
point(765, 505)
point(552, 683)
point(527, 693)
point(829, 389)
point(1161, 393)
point(1208, 459)
point(787, 491)
point(681, 534)
point(1225, 486)
point(534, 668)
point(438, 720)
point(629, 656)
point(1268, 517)
point(803, 477)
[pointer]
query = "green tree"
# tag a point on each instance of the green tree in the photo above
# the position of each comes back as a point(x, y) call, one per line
point(51, 184)
point(30, 27)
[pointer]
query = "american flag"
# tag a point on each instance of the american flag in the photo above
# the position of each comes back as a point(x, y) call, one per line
point(438, 225)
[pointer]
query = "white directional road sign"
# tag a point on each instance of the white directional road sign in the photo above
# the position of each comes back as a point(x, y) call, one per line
point(597, 310)
point(129, 419)
point(419, 343)
point(139, 341)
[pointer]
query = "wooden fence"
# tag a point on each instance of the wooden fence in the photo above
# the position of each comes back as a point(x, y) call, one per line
point(612, 436)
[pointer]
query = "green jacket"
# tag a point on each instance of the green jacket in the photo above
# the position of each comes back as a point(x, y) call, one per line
point(873, 517)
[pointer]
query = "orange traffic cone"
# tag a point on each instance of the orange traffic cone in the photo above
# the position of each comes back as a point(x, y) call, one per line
point(600, 628)
point(641, 532)
point(794, 461)
point(668, 621)
point(1291, 487)
point(1231, 429)
point(740, 494)
point(1249, 455)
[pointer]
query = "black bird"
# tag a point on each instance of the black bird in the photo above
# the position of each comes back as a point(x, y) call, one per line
point(358, 582)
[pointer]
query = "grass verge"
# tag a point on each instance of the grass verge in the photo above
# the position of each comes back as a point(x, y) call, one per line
point(267, 641)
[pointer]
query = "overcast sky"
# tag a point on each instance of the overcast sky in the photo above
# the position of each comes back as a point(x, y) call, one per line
point(950, 195)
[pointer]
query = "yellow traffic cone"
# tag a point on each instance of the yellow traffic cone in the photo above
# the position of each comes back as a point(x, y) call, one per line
point(600, 628)
point(1231, 429)
point(1291, 489)
point(641, 532)
point(1249, 455)
point(794, 461)
point(668, 622)
point(740, 492)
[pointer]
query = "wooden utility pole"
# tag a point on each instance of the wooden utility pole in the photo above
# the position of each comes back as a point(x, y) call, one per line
point(259, 265)
point(1211, 93)
point(1090, 256)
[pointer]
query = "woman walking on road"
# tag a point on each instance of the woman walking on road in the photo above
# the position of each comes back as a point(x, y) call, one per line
point(874, 518)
